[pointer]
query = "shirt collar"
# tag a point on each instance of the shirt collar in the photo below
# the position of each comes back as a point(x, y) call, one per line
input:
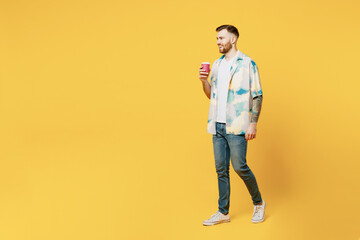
point(239, 55)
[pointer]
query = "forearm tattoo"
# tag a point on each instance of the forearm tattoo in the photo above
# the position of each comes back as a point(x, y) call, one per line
point(257, 101)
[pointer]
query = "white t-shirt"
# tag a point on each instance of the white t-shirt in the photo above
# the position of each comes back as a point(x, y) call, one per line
point(223, 88)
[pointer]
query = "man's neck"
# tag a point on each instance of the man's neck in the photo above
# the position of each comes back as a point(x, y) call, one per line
point(230, 54)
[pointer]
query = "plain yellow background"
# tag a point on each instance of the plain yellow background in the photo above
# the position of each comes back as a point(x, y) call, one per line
point(103, 119)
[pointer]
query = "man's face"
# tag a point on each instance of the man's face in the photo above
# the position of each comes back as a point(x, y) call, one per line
point(224, 41)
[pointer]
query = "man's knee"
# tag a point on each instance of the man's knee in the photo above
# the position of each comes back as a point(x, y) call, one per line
point(242, 171)
point(222, 171)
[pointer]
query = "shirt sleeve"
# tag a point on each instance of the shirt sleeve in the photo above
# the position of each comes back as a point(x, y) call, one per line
point(211, 77)
point(255, 85)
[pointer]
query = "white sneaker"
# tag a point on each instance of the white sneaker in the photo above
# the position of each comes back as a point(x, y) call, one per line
point(259, 213)
point(216, 218)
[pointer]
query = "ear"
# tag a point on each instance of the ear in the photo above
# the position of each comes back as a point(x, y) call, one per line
point(233, 39)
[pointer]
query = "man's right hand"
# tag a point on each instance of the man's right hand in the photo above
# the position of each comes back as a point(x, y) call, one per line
point(203, 75)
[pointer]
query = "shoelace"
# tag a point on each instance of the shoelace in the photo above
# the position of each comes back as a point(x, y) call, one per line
point(257, 210)
point(215, 215)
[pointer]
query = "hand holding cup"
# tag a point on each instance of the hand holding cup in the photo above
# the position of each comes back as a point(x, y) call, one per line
point(204, 71)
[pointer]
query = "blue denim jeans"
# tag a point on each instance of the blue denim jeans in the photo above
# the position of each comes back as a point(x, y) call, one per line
point(226, 147)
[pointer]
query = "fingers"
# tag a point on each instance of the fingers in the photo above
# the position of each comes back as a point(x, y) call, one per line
point(203, 71)
point(203, 74)
point(250, 136)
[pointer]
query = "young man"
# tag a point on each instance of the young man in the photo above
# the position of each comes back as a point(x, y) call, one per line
point(235, 97)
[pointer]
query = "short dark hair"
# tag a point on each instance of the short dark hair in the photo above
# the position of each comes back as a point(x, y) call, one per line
point(229, 28)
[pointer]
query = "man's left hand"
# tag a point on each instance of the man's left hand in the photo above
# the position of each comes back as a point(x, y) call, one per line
point(251, 132)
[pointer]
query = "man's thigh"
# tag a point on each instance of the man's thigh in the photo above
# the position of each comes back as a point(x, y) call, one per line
point(221, 151)
point(238, 149)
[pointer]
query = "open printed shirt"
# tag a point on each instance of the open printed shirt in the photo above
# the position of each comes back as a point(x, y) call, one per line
point(243, 87)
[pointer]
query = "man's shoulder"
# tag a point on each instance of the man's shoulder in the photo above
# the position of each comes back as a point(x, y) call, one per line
point(242, 55)
point(247, 57)
point(250, 60)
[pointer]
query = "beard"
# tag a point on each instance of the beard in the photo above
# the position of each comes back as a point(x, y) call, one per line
point(225, 48)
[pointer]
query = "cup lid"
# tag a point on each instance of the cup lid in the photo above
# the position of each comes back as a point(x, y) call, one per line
point(205, 63)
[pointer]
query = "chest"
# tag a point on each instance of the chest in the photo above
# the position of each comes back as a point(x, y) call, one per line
point(236, 76)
